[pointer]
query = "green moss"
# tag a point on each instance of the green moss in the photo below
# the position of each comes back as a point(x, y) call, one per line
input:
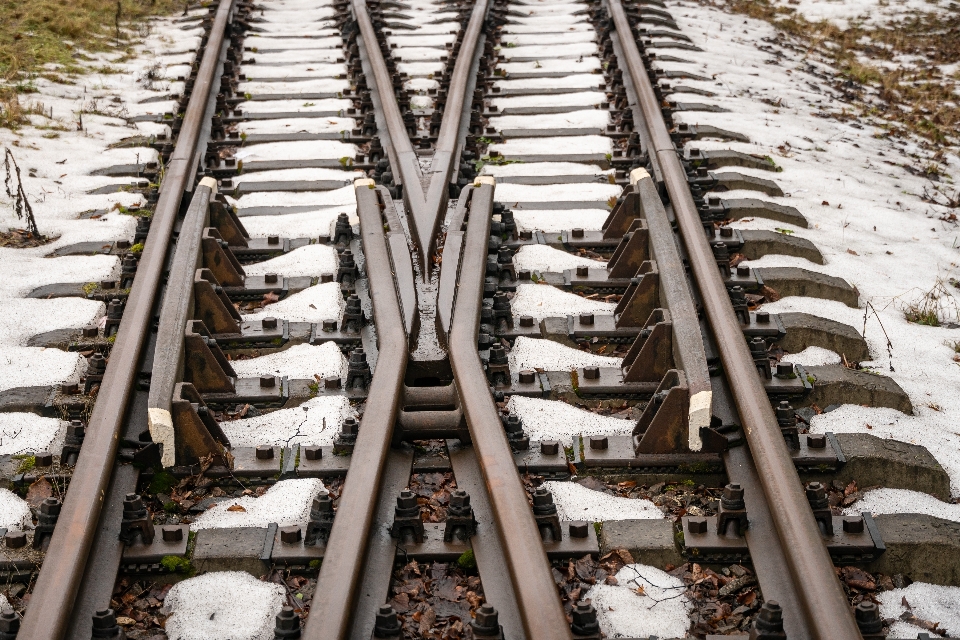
point(170, 506)
point(811, 379)
point(25, 463)
point(316, 564)
point(177, 564)
point(466, 561)
point(162, 482)
point(679, 539)
point(137, 248)
point(89, 288)
point(598, 527)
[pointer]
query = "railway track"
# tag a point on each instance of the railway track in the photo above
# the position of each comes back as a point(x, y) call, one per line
point(402, 218)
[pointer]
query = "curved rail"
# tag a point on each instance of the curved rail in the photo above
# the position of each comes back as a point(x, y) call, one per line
point(825, 606)
point(540, 608)
point(52, 600)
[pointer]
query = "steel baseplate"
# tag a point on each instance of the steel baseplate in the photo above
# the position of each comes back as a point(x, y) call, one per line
point(609, 382)
point(617, 452)
point(169, 540)
point(854, 540)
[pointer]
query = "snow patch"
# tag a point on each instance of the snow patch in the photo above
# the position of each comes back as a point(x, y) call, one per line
point(660, 609)
point(540, 257)
point(285, 503)
point(576, 502)
point(301, 361)
point(554, 420)
point(244, 608)
point(316, 422)
point(543, 301)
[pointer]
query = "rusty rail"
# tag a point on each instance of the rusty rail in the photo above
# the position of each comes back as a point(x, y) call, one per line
point(52, 601)
point(540, 608)
point(825, 609)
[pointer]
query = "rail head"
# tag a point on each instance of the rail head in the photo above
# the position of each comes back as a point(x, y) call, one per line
point(52, 600)
point(825, 606)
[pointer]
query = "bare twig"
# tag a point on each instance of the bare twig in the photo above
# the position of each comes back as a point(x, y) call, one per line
point(21, 204)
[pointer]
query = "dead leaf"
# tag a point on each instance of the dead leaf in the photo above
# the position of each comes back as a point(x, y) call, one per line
point(852, 252)
point(825, 203)
point(236, 507)
point(38, 492)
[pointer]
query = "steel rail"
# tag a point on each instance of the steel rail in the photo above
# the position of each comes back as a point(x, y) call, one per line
point(826, 610)
point(53, 597)
point(536, 591)
point(343, 560)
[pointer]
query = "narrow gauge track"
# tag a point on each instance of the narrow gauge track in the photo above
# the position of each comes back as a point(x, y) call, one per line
point(434, 260)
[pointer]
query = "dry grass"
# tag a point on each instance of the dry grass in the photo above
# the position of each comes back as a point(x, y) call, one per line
point(920, 99)
point(34, 33)
point(934, 307)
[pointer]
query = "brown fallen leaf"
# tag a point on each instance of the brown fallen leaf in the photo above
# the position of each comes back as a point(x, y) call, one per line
point(825, 203)
point(38, 492)
point(852, 252)
point(236, 507)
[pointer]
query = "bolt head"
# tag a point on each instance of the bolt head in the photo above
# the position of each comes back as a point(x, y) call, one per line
point(43, 459)
point(549, 447)
point(591, 373)
point(290, 535)
point(853, 524)
point(50, 507)
point(267, 382)
point(171, 533)
point(542, 497)
point(460, 499)
point(697, 525)
point(584, 615)
point(312, 452)
point(406, 500)
point(578, 529)
point(264, 452)
point(15, 539)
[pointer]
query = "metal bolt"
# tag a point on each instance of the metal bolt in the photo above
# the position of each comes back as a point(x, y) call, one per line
point(70, 388)
point(91, 331)
point(784, 369)
point(578, 529)
point(331, 383)
point(584, 619)
point(312, 452)
point(583, 272)
point(868, 618)
point(697, 525)
point(577, 233)
point(105, 625)
point(267, 382)
point(543, 498)
point(732, 497)
point(269, 323)
point(287, 624)
point(273, 239)
point(816, 441)
point(726, 232)
point(290, 535)
point(526, 321)
point(406, 500)
point(329, 325)
point(264, 452)
point(763, 317)
point(50, 507)
point(549, 447)
point(591, 373)
point(9, 623)
point(15, 539)
point(853, 524)
point(743, 271)
point(387, 624)
point(270, 278)
point(770, 618)
point(586, 319)
point(171, 533)
point(527, 376)
point(487, 622)
point(598, 442)
point(43, 458)
point(350, 426)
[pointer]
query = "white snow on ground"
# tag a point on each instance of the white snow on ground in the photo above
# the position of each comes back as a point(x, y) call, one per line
point(884, 240)
point(286, 503)
point(283, 87)
point(14, 511)
point(30, 367)
point(310, 260)
point(294, 106)
point(645, 602)
point(929, 429)
point(593, 118)
point(533, 353)
point(299, 150)
point(579, 99)
point(845, 13)
point(543, 301)
point(22, 433)
point(557, 220)
point(552, 420)
point(540, 257)
point(308, 224)
point(244, 608)
point(511, 192)
point(316, 422)
point(928, 602)
point(553, 146)
point(285, 175)
point(582, 81)
point(297, 125)
point(903, 501)
point(301, 361)
point(544, 169)
point(280, 199)
point(25, 270)
point(313, 304)
point(812, 357)
point(576, 502)
point(24, 318)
